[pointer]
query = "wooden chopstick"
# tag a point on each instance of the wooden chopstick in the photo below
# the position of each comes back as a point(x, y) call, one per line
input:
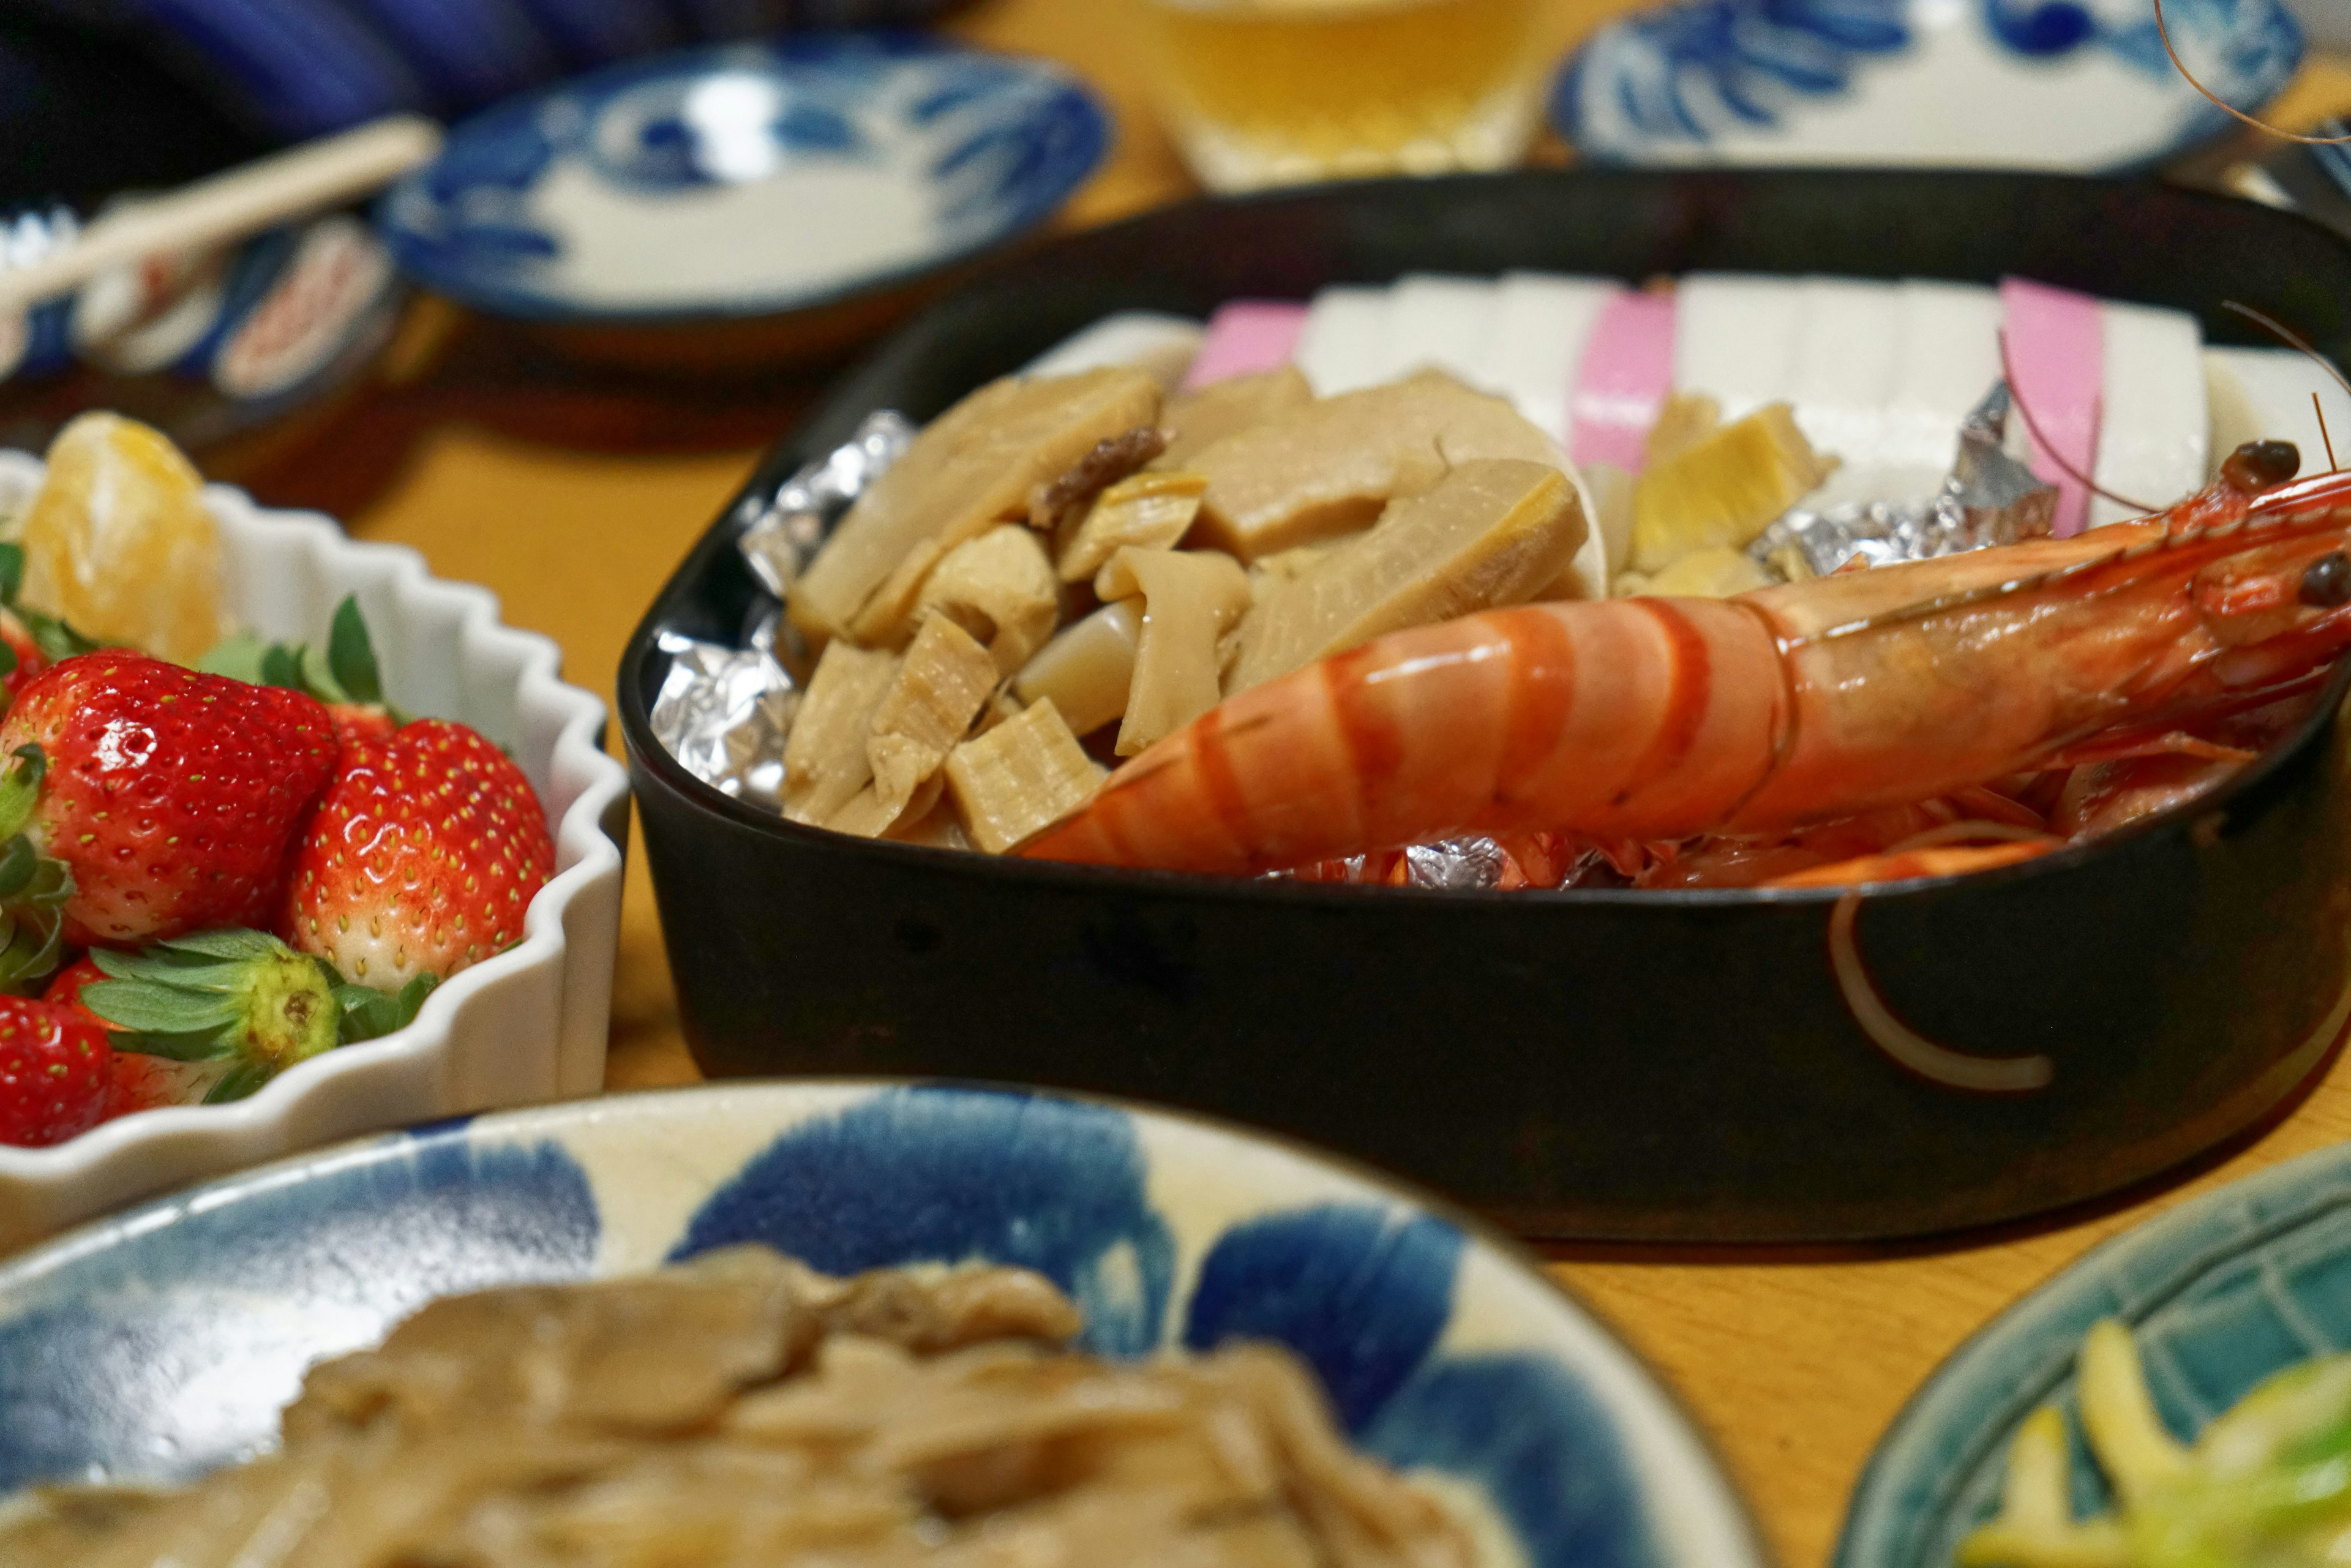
point(231, 205)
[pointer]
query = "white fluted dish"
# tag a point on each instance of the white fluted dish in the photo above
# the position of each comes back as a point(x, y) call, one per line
point(526, 1026)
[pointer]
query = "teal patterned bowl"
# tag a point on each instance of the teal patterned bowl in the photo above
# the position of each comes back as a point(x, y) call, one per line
point(2221, 1292)
point(164, 1343)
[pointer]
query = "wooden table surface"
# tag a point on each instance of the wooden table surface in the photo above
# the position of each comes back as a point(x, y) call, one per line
point(573, 496)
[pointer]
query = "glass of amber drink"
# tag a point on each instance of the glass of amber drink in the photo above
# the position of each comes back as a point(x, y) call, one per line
point(1273, 92)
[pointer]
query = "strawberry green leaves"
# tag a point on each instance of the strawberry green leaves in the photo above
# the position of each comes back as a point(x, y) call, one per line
point(33, 888)
point(242, 999)
point(234, 996)
point(50, 633)
point(344, 672)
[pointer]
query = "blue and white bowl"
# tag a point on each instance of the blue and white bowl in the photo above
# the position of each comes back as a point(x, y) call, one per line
point(164, 1342)
point(2069, 86)
point(744, 181)
point(2220, 1292)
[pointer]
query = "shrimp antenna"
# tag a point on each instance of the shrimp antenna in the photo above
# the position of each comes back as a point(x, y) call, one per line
point(2164, 31)
point(2290, 338)
point(2016, 396)
point(2326, 439)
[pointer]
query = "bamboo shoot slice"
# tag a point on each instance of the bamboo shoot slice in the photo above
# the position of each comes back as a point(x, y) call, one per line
point(1085, 672)
point(1493, 533)
point(939, 688)
point(1020, 778)
point(1715, 573)
point(1724, 489)
point(1331, 467)
point(969, 469)
point(1190, 599)
point(1150, 511)
point(869, 816)
point(1194, 420)
point(824, 757)
point(999, 587)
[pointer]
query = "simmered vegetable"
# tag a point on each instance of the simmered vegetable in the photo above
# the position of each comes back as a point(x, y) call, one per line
point(972, 467)
point(1020, 778)
point(1723, 489)
point(999, 587)
point(1190, 599)
point(1085, 672)
point(1195, 419)
point(825, 761)
point(1491, 533)
point(1151, 511)
point(1329, 467)
point(936, 692)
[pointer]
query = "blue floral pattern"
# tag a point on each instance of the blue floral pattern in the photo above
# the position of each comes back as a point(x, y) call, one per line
point(1689, 75)
point(993, 145)
point(163, 1343)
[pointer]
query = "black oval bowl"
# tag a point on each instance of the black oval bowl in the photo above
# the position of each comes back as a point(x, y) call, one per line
point(1636, 1066)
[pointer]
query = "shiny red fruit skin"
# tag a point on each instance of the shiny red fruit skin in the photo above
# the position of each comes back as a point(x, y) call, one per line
point(56, 1073)
point(136, 1082)
point(30, 661)
point(173, 795)
point(423, 855)
point(360, 721)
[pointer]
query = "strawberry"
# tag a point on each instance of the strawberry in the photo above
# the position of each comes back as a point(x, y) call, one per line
point(56, 1073)
point(361, 721)
point(420, 859)
point(170, 796)
point(140, 1082)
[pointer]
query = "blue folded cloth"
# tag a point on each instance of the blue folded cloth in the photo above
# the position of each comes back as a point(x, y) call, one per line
point(295, 68)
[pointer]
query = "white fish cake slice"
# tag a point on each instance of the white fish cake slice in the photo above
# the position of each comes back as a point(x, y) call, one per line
point(1848, 349)
point(2264, 394)
point(1344, 346)
point(2154, 428)
point(1161, 344)
point(1542, 323)
point(1734, 339)
point(1440, 323)
point(1949, 360)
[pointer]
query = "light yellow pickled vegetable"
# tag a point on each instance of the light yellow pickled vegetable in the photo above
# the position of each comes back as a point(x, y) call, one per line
point(1686, 419)
point(1709, 574)
point(1724, 489)
point(825, 763)
point(1190, 599)
point(1019, 779)
point(999, 587)
point(1494, 532)
point(869, 816)
point(117, 541)
point(936, 692)
point(1150, 511)
point(1085, 672)
point(969, 469)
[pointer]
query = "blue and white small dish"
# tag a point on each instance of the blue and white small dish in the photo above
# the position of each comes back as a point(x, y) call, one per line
point(2220, 1293)
point(164, 1342)
point(743, 180)
point(2065, 86)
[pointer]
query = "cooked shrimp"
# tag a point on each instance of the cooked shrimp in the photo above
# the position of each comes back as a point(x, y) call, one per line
point(1666, 718)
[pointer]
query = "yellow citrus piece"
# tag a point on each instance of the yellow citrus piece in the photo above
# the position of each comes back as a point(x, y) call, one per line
point(118, 542)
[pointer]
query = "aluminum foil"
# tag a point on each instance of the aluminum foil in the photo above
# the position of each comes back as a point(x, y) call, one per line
point(781, 536)
point(1988, 498)
point(1474, 864)
point(724, 712)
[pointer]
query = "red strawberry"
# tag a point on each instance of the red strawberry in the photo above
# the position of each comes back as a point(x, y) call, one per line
point(420, 859)
point(361, 721)
point(170, 796)
point(139, 1082)
point(29, 659)
point(56, 1073)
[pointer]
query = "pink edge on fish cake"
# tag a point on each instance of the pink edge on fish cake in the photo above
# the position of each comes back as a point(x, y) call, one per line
point(1244, 338)
point(1621, 386)
point(2056, 348)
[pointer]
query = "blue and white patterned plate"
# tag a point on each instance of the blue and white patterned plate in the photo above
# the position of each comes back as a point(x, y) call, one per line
point(2075, 85)
point(2221, 1292)
point(164, 1341)
point(743, 180)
